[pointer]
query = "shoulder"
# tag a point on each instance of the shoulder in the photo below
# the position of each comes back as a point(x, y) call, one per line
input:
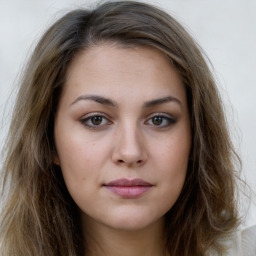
point(243, 243)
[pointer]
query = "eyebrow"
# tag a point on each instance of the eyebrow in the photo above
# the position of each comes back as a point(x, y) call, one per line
point(98, 99)
point(159, 101)
point(108, 102)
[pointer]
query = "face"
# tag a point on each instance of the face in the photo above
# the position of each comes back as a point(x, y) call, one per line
point(122, 134)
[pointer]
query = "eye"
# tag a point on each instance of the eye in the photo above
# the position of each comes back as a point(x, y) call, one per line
point(161, 121)
point(95, 121)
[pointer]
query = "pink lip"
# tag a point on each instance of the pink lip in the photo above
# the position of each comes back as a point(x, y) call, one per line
point(128, 188)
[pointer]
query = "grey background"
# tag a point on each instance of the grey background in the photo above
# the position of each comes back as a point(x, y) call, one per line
point(226, 30)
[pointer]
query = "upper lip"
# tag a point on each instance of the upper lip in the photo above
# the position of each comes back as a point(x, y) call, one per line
point(128, 183)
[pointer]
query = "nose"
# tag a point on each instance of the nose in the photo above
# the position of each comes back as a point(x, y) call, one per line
point(130, 147)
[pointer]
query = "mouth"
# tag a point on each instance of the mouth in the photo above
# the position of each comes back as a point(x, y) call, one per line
point(126, 188)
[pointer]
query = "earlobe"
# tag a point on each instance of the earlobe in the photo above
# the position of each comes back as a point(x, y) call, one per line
point(56, 159)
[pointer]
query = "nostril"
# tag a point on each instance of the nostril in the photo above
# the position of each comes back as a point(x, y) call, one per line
point(120, 161)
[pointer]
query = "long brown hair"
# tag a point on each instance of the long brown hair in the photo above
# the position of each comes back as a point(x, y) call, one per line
point(39, 217)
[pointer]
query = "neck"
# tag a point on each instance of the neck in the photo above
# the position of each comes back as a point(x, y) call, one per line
point(106, 241)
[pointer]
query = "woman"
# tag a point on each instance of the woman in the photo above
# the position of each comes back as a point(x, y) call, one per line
point(118, 143)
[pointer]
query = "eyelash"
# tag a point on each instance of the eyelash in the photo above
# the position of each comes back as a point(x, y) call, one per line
point(169, 120)
point(87, 121)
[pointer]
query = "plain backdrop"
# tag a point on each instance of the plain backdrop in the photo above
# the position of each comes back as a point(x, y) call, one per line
point(226, 30)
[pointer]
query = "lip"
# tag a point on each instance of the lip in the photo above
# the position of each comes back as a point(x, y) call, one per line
point(128, 188)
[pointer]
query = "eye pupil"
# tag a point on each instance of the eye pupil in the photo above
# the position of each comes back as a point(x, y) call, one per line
point(96, 120)
point(157, 120)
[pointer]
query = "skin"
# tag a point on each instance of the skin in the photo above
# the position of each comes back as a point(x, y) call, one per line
point(122, 137)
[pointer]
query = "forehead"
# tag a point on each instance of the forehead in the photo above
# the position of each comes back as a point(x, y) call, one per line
point(102, 55)
point(112, 69)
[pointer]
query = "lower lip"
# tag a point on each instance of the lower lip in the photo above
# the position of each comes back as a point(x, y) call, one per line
point(129, 191)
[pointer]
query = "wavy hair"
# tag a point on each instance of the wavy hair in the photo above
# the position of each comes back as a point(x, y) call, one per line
point(39, 217)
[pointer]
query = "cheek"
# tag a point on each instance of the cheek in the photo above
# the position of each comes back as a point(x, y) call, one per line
point(80, 158)
point(173, 154)
point(80, 164)
point(172, 162)
point(77, 148)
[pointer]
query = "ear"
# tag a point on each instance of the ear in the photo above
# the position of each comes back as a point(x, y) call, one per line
point(56, 160)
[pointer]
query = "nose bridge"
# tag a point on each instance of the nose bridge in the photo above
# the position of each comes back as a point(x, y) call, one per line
point(130, 146)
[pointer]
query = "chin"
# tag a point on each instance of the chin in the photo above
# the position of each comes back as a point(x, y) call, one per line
point(133, 222)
